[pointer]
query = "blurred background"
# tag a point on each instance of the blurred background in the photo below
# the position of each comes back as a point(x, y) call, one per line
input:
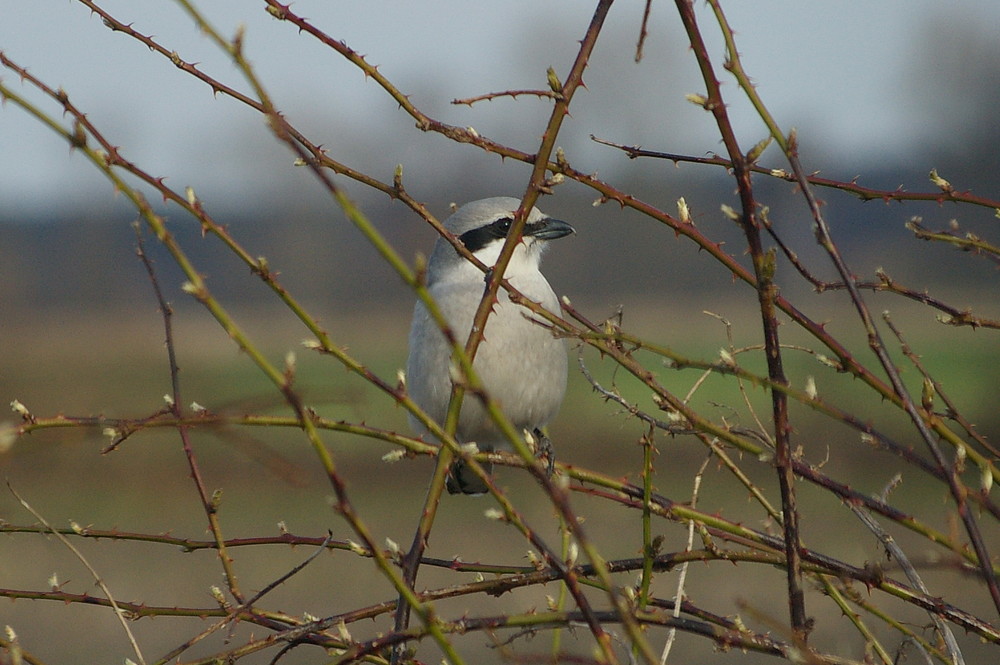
point(881, 92)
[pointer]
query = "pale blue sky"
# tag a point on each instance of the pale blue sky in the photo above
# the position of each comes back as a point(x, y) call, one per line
point(843, 72)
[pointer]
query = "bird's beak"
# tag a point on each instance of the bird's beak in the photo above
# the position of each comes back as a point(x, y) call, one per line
point(549, 229)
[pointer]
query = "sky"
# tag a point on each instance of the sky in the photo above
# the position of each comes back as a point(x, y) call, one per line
point(843, 73)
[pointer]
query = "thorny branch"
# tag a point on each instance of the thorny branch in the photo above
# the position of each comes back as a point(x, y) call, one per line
point(764, 265)
point(635, 607)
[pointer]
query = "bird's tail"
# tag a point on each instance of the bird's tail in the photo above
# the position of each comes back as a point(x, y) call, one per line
point(461, 479)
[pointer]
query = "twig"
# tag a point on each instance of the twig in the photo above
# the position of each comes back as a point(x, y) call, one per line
point(970, 242)
point(650, 545)
point(343, 504)
point(764, 268)
point(627, 495)
point(119, 612)
point(643, 31)
point(733, 354)
point(209, 503)
point(514, 94)
point(825, 239)
point(958, 491)
point(851, 187)
point(952, 409)
point(610, 342)
point(814, 561)
point(682, 575)
point(912, 634)
point(895, 552)
point(244, 607)
point(831, 590)
point(612, 347)
point(678, 428)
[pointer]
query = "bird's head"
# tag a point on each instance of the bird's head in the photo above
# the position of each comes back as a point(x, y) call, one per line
point(483, 225)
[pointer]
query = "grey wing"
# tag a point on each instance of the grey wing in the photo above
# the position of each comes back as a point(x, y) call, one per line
point(427, 375)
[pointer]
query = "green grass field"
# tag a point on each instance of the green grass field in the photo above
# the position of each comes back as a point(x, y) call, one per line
point(115, 365)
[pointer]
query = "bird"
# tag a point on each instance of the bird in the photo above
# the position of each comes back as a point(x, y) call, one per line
point(521, 364)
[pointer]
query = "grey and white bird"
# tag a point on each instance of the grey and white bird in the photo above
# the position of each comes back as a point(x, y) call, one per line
point(521, 364)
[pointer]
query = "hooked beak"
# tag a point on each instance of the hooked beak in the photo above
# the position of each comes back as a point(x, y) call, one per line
point(548, 229)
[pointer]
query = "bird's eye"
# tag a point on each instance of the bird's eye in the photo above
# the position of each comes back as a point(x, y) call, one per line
point(502, 226)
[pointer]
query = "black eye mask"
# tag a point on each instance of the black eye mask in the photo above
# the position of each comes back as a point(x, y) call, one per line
point(546, 229)
point(475, 239)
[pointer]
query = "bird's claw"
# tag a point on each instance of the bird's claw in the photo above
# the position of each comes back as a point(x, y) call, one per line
point(544, 450)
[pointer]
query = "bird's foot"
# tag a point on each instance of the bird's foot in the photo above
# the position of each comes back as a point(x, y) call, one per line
point(543, 449)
